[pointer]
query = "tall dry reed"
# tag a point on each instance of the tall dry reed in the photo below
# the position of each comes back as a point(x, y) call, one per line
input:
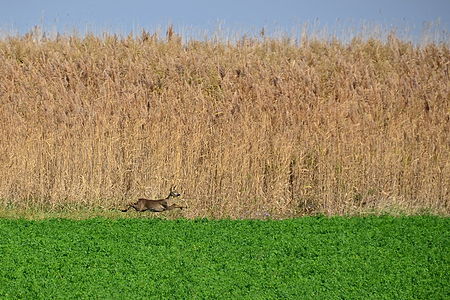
point(248, 129)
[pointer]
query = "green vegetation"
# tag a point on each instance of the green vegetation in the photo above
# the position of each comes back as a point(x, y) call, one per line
point(306, 258)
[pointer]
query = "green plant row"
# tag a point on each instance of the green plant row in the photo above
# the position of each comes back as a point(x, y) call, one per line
point(306, 258)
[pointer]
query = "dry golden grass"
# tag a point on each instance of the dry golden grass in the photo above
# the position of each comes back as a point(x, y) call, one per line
point(261, 127)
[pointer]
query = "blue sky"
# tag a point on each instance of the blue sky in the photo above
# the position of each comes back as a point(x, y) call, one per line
point(202, 15)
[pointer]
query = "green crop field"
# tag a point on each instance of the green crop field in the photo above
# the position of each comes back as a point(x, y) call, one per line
point(304, 258)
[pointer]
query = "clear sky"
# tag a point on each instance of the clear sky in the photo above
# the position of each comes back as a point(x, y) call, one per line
point(203, 15)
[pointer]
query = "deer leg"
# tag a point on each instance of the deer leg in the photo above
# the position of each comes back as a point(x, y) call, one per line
point(161, 208)
point(173, 206)
point(126, 209)
point(130, 206)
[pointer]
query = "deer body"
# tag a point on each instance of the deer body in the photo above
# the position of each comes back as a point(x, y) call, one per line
point(155, 205)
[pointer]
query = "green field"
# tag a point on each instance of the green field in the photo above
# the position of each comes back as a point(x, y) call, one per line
point(305, 258)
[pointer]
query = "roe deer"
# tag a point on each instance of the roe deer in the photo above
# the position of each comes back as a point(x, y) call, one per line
point(155, 205)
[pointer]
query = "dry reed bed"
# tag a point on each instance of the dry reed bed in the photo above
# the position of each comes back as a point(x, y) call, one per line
point(256, 128)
